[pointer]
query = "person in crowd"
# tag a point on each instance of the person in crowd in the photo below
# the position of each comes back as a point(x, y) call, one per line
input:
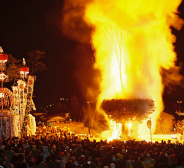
point(25, 144)
point(35, 153)
point(14, 160)
point(169, 163)
point(39, 162)
point(129, 162)
point(3, 160)
point(45, 153)
point(21, 161)
point(136, 163)
point(61, 162)
point(53, 162)
point(54, 147)
point(9, 154)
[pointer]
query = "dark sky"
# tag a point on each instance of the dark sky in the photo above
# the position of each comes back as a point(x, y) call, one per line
point(35, 25)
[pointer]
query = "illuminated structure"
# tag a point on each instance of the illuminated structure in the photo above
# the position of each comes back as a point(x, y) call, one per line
point(6, 98)
point(3, 60)
point(3, 77)
point(24, 71)
point(25, 101)
point(16, 105)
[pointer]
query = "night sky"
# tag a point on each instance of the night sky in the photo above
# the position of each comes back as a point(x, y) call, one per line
point(36, 25)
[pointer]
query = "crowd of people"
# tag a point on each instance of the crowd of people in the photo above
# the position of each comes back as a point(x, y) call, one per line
point(59, 149)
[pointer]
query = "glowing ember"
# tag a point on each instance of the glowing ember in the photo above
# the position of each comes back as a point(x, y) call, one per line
point(133, 43)
point(129, 128)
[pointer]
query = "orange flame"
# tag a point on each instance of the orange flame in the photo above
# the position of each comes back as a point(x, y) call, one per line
point(114, 132)
point(133, 42)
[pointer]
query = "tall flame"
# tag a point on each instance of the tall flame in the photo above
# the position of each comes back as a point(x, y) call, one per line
point(133, 42)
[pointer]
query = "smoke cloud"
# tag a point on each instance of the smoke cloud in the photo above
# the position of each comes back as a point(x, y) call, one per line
point(73, 25)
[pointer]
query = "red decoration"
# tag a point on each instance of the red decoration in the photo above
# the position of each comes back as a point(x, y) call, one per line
point(3, 57)
point(24, 69)
point(30, 82)
point(2, 76)
point(21, 86)
point(23, 72)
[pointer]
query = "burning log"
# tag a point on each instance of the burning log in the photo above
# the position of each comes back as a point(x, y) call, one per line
point(128, 109)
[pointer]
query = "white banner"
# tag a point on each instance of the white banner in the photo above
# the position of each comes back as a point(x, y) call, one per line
point(30, 84)
point(32, 124)
point(25, 102)
point(21, 85)
point(16, 99)
point(16, 119)
point(16, 125)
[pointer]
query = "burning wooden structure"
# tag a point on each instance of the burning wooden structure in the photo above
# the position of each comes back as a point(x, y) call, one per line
point(128, 109)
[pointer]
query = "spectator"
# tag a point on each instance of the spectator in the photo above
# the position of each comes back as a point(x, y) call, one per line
point(14, 160)
point(169, 163)
point(45, 153)
point(21, 161)
point(3, 161)
point(136, 163)
point(53, 162)
point(9, 154)
point(61, 162)
point(39, 163)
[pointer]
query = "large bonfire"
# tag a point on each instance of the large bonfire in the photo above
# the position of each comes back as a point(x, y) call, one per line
point(133, 44)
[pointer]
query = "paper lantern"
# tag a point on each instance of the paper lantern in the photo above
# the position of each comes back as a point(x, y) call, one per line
point(2, 76)
point(24, 72)
point(3, 60)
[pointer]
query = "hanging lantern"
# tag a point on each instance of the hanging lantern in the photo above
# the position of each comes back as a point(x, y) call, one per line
point(3, 60)
point(24, 70)
point(2, 76)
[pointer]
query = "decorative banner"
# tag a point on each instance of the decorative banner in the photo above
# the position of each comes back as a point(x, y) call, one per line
point(8, 98)
point(21, 84)
point(33, 105)
point(16, 100)
point(25, 102)
point(30, 84)
point(16, 125)
point(32, 124)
